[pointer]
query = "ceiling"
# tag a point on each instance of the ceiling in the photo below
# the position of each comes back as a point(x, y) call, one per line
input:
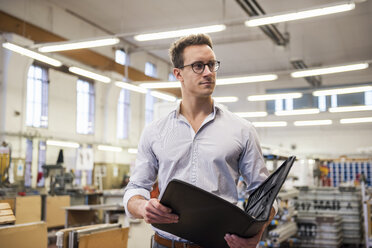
point(333, 39)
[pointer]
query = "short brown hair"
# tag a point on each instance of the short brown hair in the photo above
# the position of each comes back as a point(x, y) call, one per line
point(177, 47)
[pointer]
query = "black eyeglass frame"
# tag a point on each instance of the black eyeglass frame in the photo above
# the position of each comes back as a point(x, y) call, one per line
point(215, 68)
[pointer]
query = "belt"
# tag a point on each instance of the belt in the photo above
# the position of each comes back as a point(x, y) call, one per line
point(177, 244)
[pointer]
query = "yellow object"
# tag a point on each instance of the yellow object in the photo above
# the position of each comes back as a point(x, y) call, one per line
point(4, 164)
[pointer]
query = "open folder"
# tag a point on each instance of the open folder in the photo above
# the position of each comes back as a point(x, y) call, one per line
point(205, 218)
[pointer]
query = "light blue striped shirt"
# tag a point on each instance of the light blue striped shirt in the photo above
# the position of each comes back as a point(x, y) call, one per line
point(225, 147)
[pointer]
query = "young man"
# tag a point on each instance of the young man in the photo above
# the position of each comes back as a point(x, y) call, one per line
point(199, 142)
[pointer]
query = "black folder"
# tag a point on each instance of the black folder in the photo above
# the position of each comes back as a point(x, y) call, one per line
point(205, 218)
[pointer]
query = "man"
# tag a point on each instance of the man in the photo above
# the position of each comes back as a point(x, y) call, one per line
point(199, 142)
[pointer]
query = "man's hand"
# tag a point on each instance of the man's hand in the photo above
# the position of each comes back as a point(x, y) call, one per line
point(152, 211)
point(235, 241)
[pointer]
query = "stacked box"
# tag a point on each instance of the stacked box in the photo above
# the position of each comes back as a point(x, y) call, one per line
point(342, 201)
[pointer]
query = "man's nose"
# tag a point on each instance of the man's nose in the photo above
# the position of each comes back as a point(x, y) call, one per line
point(207, 71)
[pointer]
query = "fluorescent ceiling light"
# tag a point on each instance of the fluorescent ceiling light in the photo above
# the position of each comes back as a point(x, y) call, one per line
point(329, 70)
point(246, 79)
point(32, 54)
point(313, 123)
point(160, 85)
point(226, 99)
point(340, 91)
point(251, 114)
point(298, 112)
point(71, 45)
point(301, 14)
point(133, 150)
point(179, 33)
point(268, 97)
point(62, 143)
point(163, 96)
point(356, 120)
point(130, 87)
point(109, 148)
point(89, 74)
point(350, 108)
point(269, 123)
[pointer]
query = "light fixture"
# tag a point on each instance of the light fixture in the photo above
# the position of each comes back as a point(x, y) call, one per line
point(31, 54)
point(72, 45)
point(133, 150)
point(356, 120)
point(350, 108)
point(340, 91)
point(226, 99)
point(179, 33)
point(109, 148)
point(62, 143)
point(301, 14)
point(246, 79)
point(89, 74)
point(251, 114)
point(329, 70)
point(160, 85)
point(313, 123)
point(298, 112)
point(131, 87)
point(163, 96)
point(269, 97)
point(269, 123)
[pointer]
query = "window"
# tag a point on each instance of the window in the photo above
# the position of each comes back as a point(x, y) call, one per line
point(150, 70)
point(85, 107)
point(149, 107)
point(333, 101)
point(278, 105)
point(123, 114)
point(289, 104)
point(322, 103)
point(37, 97)
point(368, 97)
point(41, 162)
point(121, 57)
point(171, 77)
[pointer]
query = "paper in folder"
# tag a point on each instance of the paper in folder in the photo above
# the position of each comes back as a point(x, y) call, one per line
point(205, 218)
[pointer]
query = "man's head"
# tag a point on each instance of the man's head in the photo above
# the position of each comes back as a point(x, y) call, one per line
point(177, 48)
point(195, 65)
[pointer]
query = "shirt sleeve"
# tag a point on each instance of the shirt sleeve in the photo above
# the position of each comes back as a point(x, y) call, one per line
point(145, 171)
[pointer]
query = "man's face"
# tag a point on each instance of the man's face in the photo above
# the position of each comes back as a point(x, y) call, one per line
point(193, 84)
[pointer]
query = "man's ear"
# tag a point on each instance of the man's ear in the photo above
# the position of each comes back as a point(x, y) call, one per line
point(177, 74)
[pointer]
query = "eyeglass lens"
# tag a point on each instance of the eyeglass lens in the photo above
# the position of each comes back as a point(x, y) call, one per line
point(199, 67)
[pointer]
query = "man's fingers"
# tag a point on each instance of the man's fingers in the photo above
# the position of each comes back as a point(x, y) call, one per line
point(156, 203)
point(157, 213)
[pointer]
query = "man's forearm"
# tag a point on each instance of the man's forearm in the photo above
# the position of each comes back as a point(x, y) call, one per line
point(136, 205)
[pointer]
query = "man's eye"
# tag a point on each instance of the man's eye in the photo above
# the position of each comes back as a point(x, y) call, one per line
point(198, 66)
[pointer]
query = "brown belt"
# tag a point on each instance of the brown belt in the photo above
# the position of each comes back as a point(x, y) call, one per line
point(177, 244)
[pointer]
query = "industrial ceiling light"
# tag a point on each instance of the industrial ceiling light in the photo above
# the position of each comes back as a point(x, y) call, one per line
point(350, 108)
point(161, 85)
point(298, 112)
point(301, 14)
point(246, 79)
point(226, 99)
point(341, 91)
point(72, 45)
point(163, 96)
point(356, 120)
point(269, 123)
point(179, 33)
point(89, 74)
point(109, 148)
point(269, 97)
point(62, 143)
point(31, 54)
point(329, 70)
point(313, 123)
point(251, 114)
point(131, 87)
point(133, 150)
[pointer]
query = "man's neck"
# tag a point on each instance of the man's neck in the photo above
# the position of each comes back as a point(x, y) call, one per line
point(195, 108)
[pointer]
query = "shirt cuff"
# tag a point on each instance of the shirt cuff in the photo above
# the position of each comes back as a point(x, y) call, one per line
point(133, 192)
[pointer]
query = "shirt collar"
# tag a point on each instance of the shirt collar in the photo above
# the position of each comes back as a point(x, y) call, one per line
point(216, 107)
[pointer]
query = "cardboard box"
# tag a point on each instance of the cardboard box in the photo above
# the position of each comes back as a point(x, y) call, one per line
point(108, 239)
point(54, 212)
point(28, 209)
point(30, 235)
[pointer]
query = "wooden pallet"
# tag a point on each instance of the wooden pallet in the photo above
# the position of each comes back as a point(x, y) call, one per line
point(6, 214)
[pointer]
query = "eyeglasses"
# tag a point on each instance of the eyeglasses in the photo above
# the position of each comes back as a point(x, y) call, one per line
point(198, 67)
